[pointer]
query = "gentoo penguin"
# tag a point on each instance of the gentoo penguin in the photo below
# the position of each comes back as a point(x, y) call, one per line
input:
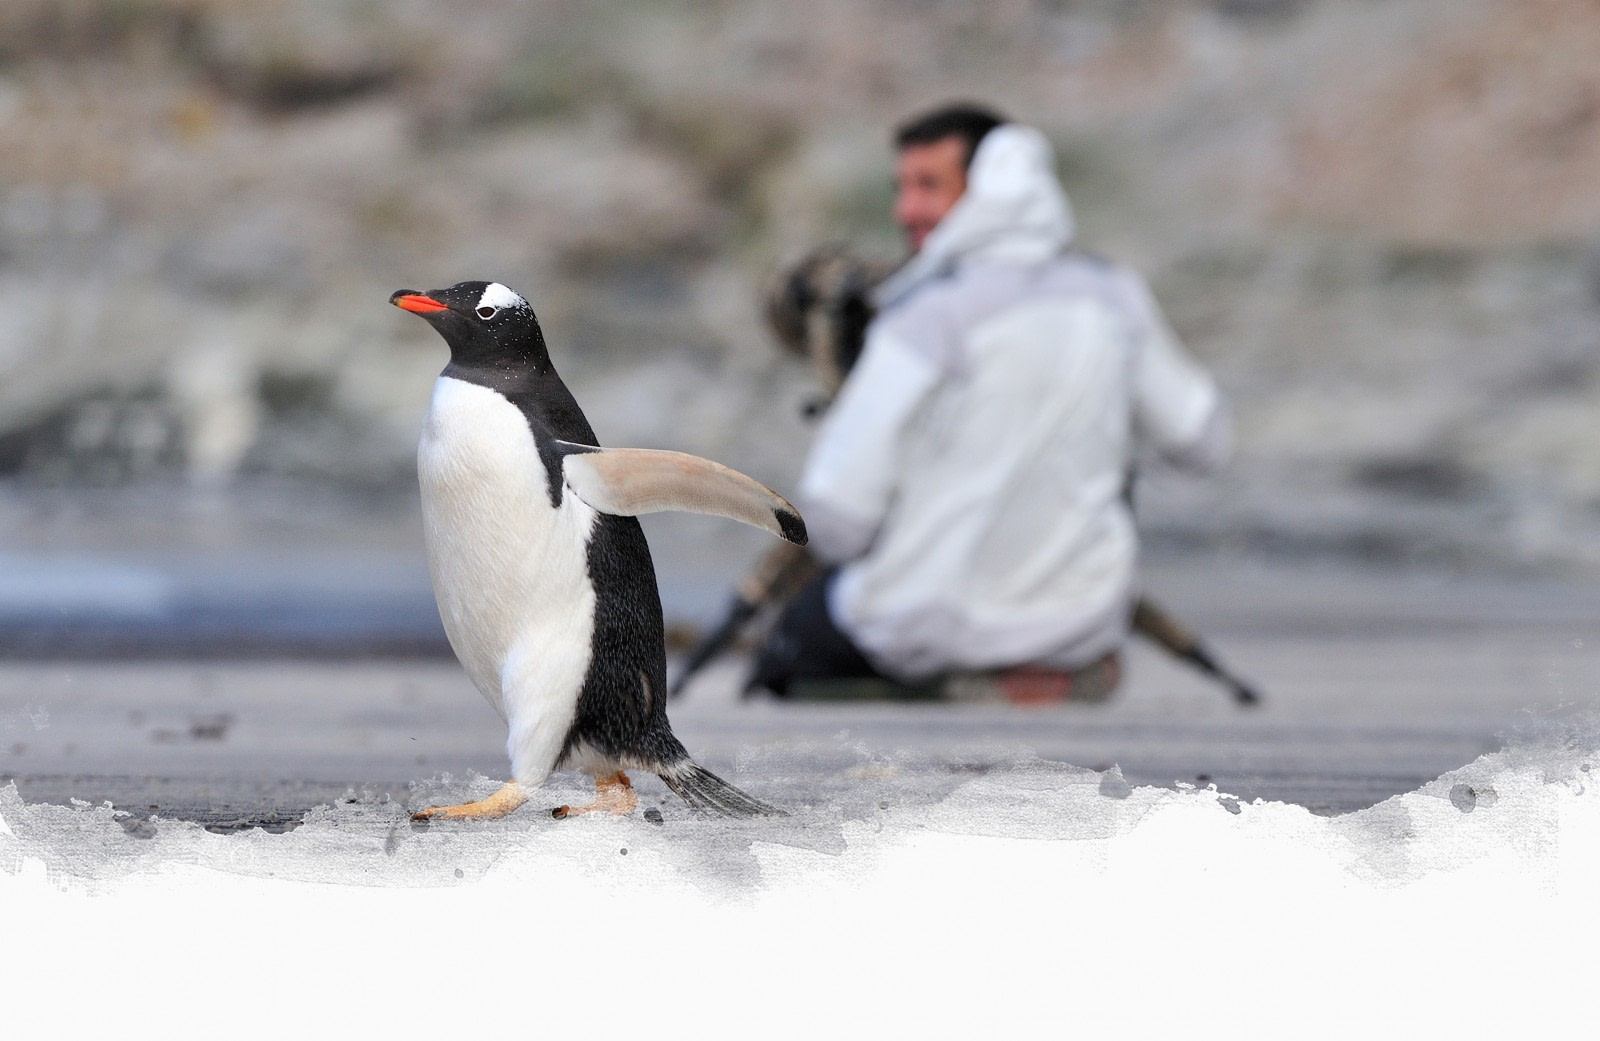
point(542, 574)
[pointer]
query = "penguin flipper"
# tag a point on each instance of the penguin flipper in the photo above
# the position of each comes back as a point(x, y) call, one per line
point(631, 481)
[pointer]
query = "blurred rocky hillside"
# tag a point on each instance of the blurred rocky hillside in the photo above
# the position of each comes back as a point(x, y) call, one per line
point(1376, 220)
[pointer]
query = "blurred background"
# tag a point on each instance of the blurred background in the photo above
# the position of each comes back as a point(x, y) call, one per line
point(1376, 222)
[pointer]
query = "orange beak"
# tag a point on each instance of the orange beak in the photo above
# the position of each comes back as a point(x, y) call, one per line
point(416, 303)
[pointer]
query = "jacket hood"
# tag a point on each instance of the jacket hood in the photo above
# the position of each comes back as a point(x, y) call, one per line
point(1013, 211)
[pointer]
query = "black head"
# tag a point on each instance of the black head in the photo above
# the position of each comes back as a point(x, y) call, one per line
point(484, 323)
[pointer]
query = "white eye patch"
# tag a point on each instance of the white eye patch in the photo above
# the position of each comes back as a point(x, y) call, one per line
point(496, 296)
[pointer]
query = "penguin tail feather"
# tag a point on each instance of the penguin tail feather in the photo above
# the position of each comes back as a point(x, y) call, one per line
point(704, 790)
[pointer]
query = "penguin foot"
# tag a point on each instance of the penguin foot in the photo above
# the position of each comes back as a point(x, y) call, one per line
point(502, 802)
point(613, 793)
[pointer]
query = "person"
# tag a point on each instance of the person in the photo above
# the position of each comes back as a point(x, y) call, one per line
point(967, 486)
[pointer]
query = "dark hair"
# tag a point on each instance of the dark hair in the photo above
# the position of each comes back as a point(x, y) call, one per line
point(968, 122)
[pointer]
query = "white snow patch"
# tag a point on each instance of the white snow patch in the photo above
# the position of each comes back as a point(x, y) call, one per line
point(1032, 894)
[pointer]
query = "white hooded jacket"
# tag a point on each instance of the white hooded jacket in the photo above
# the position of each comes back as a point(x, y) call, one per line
point(970, 475)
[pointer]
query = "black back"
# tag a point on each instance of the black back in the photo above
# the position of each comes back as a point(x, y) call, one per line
point(622, 707)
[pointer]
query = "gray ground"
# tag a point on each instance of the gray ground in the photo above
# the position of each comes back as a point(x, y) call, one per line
point(1375, 684)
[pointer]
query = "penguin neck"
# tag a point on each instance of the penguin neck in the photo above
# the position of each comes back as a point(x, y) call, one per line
point(518, 348)
point(537, 391)
point(505, 375)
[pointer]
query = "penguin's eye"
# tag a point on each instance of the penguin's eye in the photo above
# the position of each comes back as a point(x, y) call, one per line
point(487, 313)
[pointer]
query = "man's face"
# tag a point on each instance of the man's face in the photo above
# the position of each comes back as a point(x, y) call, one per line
point(928, 181)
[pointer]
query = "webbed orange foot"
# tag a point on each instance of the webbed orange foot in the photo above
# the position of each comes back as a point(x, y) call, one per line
point(502, 802)
point(613, 793)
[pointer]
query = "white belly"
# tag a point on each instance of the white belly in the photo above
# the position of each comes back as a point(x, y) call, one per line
point(510, 573)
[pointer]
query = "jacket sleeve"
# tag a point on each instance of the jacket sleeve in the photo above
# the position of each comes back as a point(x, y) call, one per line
point(849, 477)
point(1177, 407)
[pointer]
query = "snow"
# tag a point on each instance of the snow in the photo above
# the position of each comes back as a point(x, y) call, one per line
point(1032, 895)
